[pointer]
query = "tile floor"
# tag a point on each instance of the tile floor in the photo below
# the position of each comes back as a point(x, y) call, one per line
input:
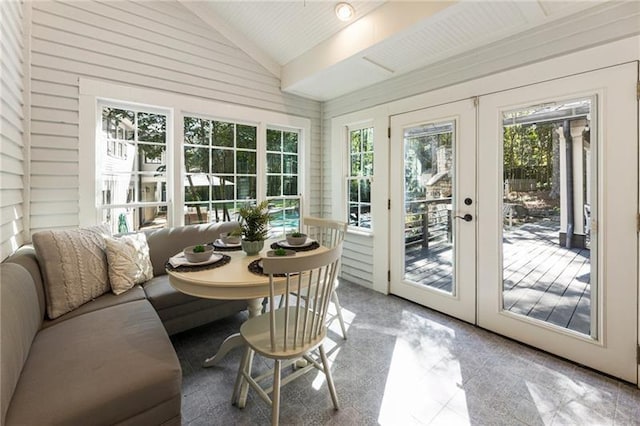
point(404, 364)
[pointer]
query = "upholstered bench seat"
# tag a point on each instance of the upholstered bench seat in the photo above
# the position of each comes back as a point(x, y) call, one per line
point(69, 376)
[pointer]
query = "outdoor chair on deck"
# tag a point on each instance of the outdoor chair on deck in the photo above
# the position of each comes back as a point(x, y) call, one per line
point(328, 233)
point(293, 331)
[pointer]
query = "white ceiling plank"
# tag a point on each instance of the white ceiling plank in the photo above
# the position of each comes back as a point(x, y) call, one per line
point(207, 15)
point(384, 23)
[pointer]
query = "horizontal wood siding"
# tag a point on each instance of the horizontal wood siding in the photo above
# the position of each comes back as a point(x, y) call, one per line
point(157, 45)
point(12, 159)
point(609, 22)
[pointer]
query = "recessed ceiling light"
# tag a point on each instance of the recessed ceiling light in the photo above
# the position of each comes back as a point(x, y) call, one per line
point(345, 12)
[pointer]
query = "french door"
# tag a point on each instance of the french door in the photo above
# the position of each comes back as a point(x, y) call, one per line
point(433, 208)
point(519, 214)
point(562, 274)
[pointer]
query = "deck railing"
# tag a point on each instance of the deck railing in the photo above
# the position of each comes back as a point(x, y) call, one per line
point(427, 221)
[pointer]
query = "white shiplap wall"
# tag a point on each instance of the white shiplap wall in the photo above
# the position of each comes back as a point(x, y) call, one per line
point(158, 45)
point(12, 158)
point(612, 21)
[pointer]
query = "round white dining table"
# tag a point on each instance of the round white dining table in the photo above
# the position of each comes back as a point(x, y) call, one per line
point(232, 281)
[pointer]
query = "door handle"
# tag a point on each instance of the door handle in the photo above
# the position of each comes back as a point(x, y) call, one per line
point(467, 217)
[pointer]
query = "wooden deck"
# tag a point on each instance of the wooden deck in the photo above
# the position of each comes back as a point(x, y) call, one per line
point(541, 279)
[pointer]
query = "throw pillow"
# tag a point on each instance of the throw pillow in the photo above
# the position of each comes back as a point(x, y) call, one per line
point(129, 262)
point(74, 266)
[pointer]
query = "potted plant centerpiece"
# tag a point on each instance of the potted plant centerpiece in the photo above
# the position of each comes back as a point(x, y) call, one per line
point(254, 221)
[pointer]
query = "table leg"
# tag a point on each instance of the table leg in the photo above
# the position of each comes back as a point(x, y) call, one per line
point(254, 306)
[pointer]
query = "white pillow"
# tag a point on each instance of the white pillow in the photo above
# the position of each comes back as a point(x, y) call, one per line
point(129, 262)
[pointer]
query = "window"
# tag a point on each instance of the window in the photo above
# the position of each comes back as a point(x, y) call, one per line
point(359, 178)
point(282, 180)
point(132, 173)
point(221, 164)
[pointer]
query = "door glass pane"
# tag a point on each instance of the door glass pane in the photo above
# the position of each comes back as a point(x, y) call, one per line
point(547, 204)
point(428, 189)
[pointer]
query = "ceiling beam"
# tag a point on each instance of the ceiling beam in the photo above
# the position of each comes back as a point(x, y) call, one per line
point(388, 20)
point(208, 16)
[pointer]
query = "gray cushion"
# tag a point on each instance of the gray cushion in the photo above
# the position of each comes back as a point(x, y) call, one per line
point(74, 267)
point(104, 301)
point(180, 312)
point(21, 319)
point(166, 242)
point(26, 257)
point(99, 368)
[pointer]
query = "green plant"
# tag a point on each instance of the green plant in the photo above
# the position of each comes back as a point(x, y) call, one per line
point(254, 221)
point(198, 249)
point(237, 232)
point(296, 234)
point(280, 252)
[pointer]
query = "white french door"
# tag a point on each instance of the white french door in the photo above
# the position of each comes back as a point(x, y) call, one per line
point(519, 214)
point(562, 278)
point(433, 208)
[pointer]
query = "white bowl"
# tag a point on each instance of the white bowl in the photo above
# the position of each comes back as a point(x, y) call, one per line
point(197, 257)
point(229, 239)
point(296, 241)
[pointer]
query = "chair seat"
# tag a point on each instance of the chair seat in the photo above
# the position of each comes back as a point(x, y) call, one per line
point(257, 334)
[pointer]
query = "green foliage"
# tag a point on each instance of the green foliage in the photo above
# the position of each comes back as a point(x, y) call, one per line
point(280, 252)
point(528, 153)
point(254, 221)
point(198, 249)
point(296, 234)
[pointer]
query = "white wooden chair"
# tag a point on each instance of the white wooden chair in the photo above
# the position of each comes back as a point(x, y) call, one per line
point(327, 233)
point(292, 331)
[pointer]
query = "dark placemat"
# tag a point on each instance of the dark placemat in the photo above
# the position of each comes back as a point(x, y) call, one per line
point(224, 248)
point(257, 269)
point(314, 245)
point(186, 268)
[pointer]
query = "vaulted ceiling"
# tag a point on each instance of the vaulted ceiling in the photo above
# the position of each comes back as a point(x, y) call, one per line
point(317, 56)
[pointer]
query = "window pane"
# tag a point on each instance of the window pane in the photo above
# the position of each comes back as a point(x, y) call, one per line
point(365, 216)
point(118, 186)
point(355, 146)
point(365, 191)
point(353, 190)
point(290, 185)
point(222, 134)
point(290, 142)
point(196, 187)
point(151, 156)
point(196, 160)
point(152, 127)
point(290, 164)
point(223, 187)
point(285, 216)
point(246, 162)
point(367, 139)
point(274, 164)
point(152, 187)
point(118, 123)
point(274, 186)
point(129, 219)
point(196, 213)
point(355, 165)
point(222, 161)
point(353, 214)
point(246, 188)
point(222, 212)
point(367, 164)
point(246, 136)
point(196, 131)
point(274, 140)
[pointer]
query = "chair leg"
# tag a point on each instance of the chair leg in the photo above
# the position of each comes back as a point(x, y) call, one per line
point(336, 302)
point(244, 388)
point(240, 377)
point(327, 373)
point(275, 396)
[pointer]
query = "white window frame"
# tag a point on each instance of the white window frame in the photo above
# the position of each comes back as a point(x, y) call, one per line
point(349, 177)
point(93, 91)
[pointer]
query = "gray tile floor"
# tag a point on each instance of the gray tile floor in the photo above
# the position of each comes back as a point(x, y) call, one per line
point(404, 364)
